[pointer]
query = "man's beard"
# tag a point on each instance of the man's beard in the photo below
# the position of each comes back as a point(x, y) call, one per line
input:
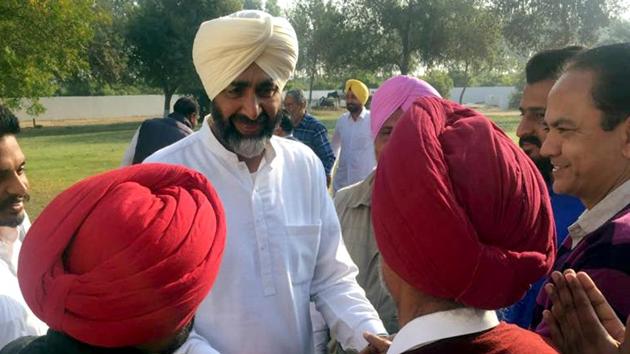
point(353, 108)
point(542, 163)
point(233, 140)
point(13, 220)
point(179, 339)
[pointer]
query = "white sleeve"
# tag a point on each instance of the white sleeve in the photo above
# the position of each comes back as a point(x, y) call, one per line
point(336, 140)
point(196, 344)
point(131, 150)
point(334, 290)
point(13, 321)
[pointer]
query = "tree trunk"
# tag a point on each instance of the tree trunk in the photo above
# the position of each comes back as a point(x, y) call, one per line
point(406, 41)
point(311, 79)
point(461, 95)
point(168, 94)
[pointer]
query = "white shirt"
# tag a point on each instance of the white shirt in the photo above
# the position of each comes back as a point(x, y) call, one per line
point(441, 325)
point(283, 250)
point(592, 219)
point(16, 319)
point(356, 159)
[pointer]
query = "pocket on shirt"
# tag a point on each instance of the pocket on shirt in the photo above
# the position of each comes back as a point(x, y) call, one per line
point(303, 247)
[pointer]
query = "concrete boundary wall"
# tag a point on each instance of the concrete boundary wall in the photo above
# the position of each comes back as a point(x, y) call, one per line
point(492, 96)
point(99, 107)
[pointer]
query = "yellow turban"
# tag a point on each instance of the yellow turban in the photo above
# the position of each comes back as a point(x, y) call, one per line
point(226, 46)
point(359, 89)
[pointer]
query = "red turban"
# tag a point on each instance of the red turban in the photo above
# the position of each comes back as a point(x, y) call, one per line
point(125, 257)
point(459, 211)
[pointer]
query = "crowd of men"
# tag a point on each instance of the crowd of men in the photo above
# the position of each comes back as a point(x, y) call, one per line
point(444, 236)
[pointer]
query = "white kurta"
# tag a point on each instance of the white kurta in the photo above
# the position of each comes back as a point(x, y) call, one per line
point(16, 319)
point(353, 145)
point(283, 249)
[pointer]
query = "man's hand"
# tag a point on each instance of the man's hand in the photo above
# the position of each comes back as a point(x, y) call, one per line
point(581, 321)
point(376, 344)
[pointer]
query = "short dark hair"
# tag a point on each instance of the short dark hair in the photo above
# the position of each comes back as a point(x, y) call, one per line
point(9, 124)
point(186, 106)
point(548, 64)
point(611, 89)
point(285, 123)
point(297, 95)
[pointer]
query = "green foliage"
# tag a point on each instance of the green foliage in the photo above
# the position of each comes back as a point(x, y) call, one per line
point(440, 80)
point(617, 32)
point(272, 7)
point(252, 5)
point(533, 25)
point(477, 43)
point(41, 43)
point(108, 71)
point(161, 33)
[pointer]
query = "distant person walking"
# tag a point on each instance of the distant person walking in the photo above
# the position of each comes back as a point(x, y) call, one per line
point(352, 142)
point(156, 133)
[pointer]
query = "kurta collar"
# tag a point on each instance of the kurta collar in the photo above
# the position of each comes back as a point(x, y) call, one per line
point(592, 219)
point(441, 325)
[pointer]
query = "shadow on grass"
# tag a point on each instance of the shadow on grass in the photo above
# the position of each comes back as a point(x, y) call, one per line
point(79, 129)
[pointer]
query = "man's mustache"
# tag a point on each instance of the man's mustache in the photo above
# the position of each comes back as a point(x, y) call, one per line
point(240, 118)
point(531, 139)
point(13, 199)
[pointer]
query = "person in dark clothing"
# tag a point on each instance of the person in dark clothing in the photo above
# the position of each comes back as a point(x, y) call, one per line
point(157, 133)
point(285, 127)
point(309, 130)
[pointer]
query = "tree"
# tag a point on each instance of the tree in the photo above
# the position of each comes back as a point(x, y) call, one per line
point(476, 46)
point(318, 24)
point(533, 25)
point(401, 34)
point(272, 7)
point(161, 33)
point(617, 32)
point(107, 55)
point(41, 43)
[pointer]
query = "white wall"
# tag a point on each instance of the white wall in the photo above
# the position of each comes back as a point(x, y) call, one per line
point(100, 107)
point(492, 95)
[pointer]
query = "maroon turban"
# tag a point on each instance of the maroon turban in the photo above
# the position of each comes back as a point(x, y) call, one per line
point(459, 211)
point(125, 257)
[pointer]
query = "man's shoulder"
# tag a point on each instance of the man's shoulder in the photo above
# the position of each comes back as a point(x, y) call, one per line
point(349, 194)
point(504, 338)
point(174, 152)
point(313, 123)
point(292, 148)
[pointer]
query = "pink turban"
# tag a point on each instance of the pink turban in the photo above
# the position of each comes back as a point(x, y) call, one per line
point(397, 92)
point(125, 257)
point(459, 211)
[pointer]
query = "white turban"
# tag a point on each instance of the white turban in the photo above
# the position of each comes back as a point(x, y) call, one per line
point(226, 46)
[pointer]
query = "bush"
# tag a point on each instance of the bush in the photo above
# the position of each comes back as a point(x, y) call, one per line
point(440, 80)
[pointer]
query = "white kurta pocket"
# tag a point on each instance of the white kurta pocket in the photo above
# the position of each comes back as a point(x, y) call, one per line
point(303, 246)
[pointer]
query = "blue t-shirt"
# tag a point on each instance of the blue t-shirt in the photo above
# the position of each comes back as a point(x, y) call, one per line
point(566, 210)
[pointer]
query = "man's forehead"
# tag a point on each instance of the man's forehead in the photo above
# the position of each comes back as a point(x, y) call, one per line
point(10, 153)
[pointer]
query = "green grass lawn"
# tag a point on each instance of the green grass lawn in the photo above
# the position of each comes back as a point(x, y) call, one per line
point(59, 156)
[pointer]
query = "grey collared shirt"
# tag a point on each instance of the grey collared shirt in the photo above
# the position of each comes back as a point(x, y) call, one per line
point(353, 206)
point(592, 219)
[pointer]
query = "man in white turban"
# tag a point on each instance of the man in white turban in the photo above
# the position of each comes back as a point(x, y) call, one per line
point(284, 245)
